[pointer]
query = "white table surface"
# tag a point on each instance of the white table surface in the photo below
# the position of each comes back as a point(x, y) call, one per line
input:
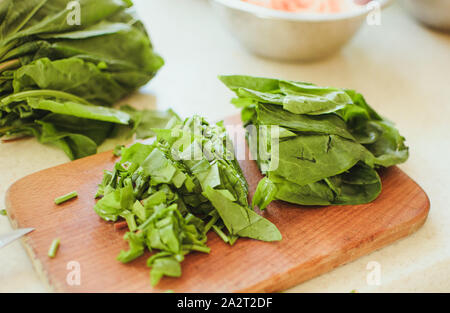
point(402, 68)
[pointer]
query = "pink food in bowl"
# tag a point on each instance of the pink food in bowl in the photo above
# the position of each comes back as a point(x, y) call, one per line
point(312, 6)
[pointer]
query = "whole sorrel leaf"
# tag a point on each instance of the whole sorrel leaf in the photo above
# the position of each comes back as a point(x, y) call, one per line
point(50, 66)
point(330, 141)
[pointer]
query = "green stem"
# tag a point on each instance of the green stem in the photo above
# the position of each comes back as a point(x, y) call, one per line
point(53, 248)
point(42, 92)
point(220, 233)
point(8, 128)
point(4, 50)
point(9, 65)
point(197, 248)
point(5, 129)
point(66, 197)
point(211, 222)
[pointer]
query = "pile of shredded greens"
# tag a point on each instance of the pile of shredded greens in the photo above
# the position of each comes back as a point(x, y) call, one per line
point(327, 144)
point(172, 192)
point(57, 78)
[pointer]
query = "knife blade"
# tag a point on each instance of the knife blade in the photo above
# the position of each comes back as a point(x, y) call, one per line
point(14, 235)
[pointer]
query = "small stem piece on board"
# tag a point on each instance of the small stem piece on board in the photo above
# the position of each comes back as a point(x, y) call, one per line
point(53, 248)
point(66, 197)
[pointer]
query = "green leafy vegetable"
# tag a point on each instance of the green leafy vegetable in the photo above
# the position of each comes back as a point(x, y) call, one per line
point(172, 192)
point(241, 221)
point(316, 145)
point(66, 197)
point(57, 78)
point(145, 120)
point(118, 150)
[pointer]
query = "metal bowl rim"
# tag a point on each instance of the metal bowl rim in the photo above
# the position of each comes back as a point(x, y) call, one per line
point(292, 16)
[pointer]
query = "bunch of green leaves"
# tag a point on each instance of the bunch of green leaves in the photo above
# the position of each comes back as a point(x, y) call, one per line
point(172, 192)
point(327, 144)
point(55, 74)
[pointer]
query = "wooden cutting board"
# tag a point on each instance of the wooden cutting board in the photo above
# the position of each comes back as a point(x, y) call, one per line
point(315, 239)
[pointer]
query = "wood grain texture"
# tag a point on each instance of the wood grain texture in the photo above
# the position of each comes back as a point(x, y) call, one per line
point(315, 239)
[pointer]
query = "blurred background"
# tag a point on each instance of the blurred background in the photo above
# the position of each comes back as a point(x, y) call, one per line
point(197, 46)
